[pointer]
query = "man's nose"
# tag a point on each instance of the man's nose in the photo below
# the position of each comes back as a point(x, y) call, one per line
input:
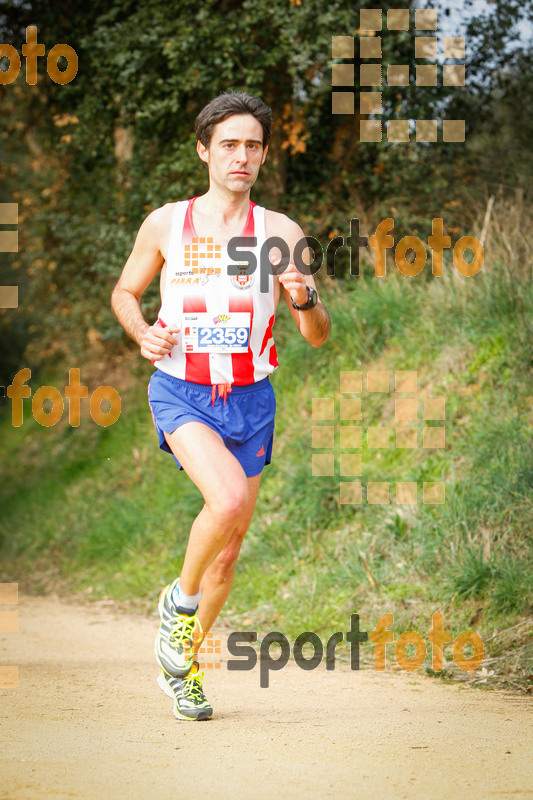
point(241, 153)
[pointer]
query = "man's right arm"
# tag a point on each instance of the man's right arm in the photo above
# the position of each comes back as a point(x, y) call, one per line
point(142, 266)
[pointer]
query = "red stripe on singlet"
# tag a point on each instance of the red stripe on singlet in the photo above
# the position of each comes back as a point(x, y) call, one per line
point(188, 225)
point(268, 334)
point(189, 231)
point(249, 227)
point(197, 368)
point(242, 364)
point(196, 364)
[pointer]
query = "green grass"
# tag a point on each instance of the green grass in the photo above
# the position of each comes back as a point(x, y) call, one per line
point(103, 511)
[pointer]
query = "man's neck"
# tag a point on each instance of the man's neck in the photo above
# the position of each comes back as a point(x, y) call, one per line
point(223, 207)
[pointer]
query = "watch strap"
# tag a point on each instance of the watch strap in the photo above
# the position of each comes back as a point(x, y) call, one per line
point(311, 300)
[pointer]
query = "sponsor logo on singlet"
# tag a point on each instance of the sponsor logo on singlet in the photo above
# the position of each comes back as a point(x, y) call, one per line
point(242, 280)
point(197, 276)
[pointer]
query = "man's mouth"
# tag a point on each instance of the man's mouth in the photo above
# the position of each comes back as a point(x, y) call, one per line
point(240, 172)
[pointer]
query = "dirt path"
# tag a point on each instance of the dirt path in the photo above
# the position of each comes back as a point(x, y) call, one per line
point(88, 721)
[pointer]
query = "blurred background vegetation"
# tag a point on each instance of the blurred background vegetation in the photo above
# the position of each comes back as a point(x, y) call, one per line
point(97, 510)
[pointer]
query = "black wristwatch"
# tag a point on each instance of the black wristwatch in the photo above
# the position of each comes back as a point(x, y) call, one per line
point(312, 298)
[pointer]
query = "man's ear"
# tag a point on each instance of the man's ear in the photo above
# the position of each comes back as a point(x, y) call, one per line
point(265, 151)
point(202, 151)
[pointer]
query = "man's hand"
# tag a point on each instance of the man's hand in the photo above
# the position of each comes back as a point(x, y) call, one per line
point(293, 280)
point(158, 341)
point(314, 324)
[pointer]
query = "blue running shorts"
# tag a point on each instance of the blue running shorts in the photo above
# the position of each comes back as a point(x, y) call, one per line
point(244, 420)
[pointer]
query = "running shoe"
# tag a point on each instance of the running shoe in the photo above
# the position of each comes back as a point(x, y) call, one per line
point(189, 699)
point(178, 632)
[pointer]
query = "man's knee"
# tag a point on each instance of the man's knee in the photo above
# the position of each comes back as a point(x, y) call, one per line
point(229, 508)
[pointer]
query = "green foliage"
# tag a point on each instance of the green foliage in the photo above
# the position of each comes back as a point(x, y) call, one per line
point(88, 161)
point(93, 157)
point(512, 591)
point(472, 576)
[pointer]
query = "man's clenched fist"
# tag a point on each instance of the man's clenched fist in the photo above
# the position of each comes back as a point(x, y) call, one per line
point(158, 341)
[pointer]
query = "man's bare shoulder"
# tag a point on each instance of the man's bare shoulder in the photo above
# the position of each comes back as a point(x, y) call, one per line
point(160, 219)
point(278, 224)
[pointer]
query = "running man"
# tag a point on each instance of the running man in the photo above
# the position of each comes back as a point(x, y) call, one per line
point(211, 399)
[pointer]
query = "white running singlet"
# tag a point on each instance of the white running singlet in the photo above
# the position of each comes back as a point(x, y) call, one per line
point(216, 311)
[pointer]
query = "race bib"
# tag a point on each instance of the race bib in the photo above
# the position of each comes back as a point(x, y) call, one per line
point(226, 333)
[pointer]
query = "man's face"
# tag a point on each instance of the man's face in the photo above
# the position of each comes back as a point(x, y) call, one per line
point(235, 153)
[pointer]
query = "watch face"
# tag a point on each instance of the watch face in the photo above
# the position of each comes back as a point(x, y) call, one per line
point(312, 298)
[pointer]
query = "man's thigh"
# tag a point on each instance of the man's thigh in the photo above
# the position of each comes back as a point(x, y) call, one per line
point(206, 459)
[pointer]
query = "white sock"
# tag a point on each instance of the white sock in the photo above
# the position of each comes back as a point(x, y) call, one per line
point(188, 601)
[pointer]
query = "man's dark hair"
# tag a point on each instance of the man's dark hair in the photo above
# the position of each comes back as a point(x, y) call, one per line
point(227, 105)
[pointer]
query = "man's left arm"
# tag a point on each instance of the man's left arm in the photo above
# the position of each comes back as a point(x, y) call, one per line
point(314, 323)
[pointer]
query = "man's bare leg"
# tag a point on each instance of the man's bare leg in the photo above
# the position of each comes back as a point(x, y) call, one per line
point(218, 530)
point(218, 578)
point(225, 489)
point(212, 549)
